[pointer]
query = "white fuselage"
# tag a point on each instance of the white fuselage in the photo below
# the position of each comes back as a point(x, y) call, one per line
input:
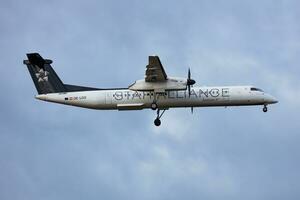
point(125, 99)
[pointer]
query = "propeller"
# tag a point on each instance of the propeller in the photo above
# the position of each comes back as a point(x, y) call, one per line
point(190, 82)
point(192, 110)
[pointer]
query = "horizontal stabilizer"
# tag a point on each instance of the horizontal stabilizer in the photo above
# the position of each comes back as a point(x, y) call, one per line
point(36, 59)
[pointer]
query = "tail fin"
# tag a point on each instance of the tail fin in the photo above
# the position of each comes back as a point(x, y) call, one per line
point(44, 77)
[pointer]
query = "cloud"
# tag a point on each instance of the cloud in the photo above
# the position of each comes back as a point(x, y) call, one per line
point(51, 151)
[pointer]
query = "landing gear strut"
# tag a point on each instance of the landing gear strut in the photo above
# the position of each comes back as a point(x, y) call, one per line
point(157, 121)
point(265, 108)
point(154, 104)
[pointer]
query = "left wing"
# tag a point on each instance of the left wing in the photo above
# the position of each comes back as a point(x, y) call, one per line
point(155, 71)
point(157, 80)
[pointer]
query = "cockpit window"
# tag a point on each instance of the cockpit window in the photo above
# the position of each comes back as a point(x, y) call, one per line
point(256, 89)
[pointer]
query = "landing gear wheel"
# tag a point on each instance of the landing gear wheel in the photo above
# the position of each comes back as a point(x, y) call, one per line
point(265, 109)
point(153, 106)
point(157, 122)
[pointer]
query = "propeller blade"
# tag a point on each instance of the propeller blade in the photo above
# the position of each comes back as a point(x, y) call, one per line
point(190, 82)
point(192, 110)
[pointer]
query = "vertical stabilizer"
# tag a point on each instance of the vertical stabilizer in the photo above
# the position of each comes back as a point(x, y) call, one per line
point(44, 77)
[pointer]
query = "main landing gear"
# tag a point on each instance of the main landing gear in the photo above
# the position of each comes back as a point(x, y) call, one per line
point(154, 106)
point(265, 108)
point(157, 121)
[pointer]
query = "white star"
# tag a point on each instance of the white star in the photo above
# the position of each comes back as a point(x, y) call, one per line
point(42, 75)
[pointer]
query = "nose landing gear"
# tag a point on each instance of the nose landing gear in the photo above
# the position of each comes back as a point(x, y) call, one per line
point(157, 121)
point(265, 108)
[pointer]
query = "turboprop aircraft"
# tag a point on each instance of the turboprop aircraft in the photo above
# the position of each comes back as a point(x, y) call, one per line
point(156, 91)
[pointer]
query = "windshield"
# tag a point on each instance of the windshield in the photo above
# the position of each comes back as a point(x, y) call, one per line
point(256, 89)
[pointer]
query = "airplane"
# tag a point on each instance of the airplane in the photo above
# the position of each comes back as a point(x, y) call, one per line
point(157, 91)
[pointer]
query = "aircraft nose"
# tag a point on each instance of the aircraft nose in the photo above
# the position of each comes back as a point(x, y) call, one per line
point(270, 99)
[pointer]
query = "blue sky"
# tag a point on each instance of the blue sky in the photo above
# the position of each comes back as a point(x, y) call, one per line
point(50, 151)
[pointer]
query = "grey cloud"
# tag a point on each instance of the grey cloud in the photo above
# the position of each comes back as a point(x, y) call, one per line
point(50, 151)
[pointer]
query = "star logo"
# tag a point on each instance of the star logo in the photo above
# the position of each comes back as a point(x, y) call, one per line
point(42, 75)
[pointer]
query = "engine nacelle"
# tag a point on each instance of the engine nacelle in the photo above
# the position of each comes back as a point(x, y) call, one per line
point(161, 86)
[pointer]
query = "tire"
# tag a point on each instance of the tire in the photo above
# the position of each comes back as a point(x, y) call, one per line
point(265, 109)
point(157, 122)
point(153, 106)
